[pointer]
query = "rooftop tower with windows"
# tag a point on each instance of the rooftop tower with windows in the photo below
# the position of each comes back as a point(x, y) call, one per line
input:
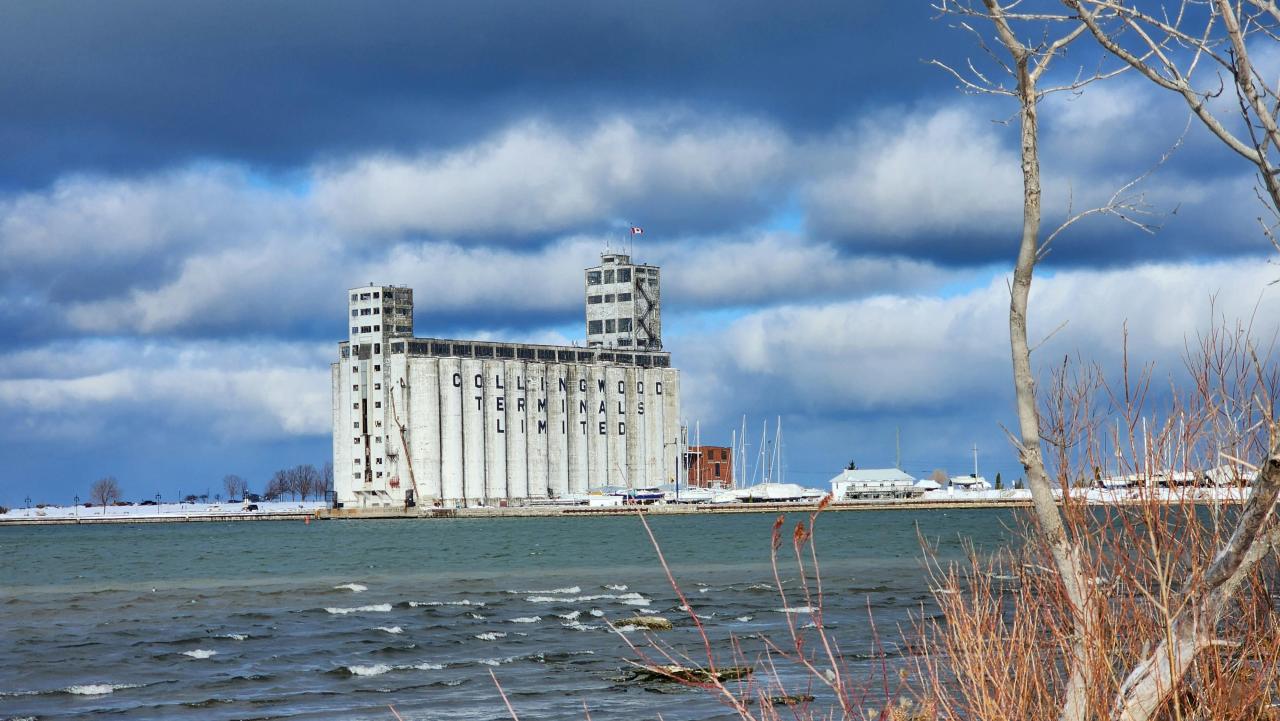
point(624, 304)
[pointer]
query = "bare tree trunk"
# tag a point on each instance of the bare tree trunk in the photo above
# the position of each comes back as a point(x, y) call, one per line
point(1066, 555)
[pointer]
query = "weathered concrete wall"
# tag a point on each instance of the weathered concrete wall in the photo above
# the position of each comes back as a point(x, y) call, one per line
point(496, 431)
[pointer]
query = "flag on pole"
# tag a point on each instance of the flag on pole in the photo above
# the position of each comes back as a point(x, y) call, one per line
point(637, 230)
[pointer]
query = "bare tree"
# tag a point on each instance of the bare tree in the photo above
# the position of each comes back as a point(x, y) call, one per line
point(1158, 46)
point(1196, 50)
point(105, 491)
point(234, 485)
point(326, 480)
point(277, 486)
point(1021, 66)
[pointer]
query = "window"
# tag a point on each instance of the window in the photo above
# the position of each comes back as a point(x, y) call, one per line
point(377, 439)
point(354, 312)
point(379, 474)
point(610, 298)
point(624, 341)
point(355, 387)
point(355, 369)
point(505, 352)
point(356, 462)
point(546, 354)
point(402, 311)
point(353, 296)
point(609, 326)
point(375, 295)
point(356, 439)
point(717, 474)
point(624, 275)
point(377, 311)
point(377, 348)
point(608, 276)
point(364, 296)
point(366, 329)
point(624, 325)
point(389, 296)
point(623, 297)
point(593, 277)
point(402, 329)
point(593, 299)
point(364, 311)
point(356, 425)
point(376, 329)
point(653, 282)
point(377, 368)
point(378, 461)
point(595, 326)
point(377, 386)
point(377, 424)
point(525, 353)
point(377, 404)
point(641, 341)
point(355, 329)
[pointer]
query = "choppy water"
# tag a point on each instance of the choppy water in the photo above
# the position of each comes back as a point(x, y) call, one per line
point(336, 620)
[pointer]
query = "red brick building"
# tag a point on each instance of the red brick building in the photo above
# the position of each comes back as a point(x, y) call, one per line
point(710, 466)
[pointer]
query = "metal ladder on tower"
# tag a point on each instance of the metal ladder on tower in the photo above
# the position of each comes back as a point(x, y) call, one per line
point(655, 341)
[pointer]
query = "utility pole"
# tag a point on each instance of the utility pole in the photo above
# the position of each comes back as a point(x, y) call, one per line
point(975, 460)
point(897, 457)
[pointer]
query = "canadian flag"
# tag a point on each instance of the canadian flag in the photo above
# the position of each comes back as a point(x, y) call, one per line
point(637, 230)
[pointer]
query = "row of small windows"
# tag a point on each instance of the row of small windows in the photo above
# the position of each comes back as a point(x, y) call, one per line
point(620, 298)
point(366, 329)
point(609, 325)
point(621, 275)
point(357, 311)
point(389, 295)
point(525, 353)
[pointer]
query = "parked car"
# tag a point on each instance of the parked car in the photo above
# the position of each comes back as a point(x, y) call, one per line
point(148, 503)
point(251, 507)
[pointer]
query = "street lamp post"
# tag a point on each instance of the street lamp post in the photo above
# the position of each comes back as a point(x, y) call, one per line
point(77, 506)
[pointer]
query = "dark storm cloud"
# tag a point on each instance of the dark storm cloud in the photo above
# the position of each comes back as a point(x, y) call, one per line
point(129, 86)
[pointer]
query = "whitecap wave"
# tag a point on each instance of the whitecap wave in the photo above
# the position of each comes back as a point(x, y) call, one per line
point(550, 591)
point(579, 626)
point(526, 619)
point(463, 602)
point(616, 586)
point(476, 616)
point(597, 613)
point(352, 587)
point(424, 666)
point(795, 609)
point(375, 608)
point(570, 616)
point(391, 629)
point(743, 619)
point(376, 669)
point(98, 689)
point(200, 653)
point(235, 636)
point(491, 635)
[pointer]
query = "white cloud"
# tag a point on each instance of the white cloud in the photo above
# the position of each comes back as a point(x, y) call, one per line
point(231, 390)
point(932, 355)
point(534, 178)
point(87, 220)
point(899, 177)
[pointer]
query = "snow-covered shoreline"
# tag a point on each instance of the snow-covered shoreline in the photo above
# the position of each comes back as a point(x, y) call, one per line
point(161, 512)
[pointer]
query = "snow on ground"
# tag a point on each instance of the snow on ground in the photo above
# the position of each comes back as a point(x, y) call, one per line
point(180, 510)
point(1097, 495)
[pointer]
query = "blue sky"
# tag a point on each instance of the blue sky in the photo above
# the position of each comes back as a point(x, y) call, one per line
point(186, 191)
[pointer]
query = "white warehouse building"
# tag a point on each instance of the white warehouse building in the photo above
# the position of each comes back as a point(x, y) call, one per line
point(450, 423)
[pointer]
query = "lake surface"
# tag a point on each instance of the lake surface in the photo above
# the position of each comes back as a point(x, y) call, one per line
point(336, 620)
